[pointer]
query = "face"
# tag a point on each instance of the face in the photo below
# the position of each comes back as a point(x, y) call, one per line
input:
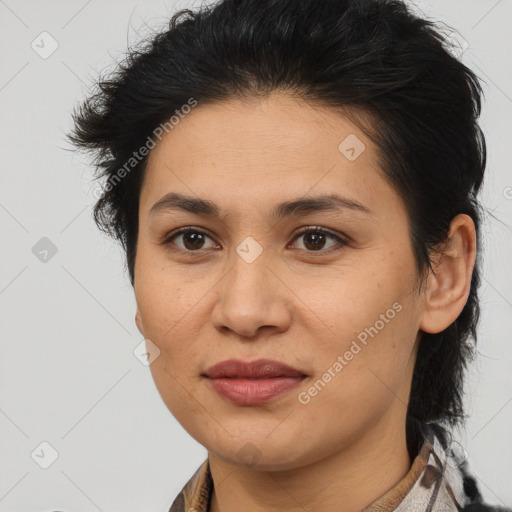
point(337, 305)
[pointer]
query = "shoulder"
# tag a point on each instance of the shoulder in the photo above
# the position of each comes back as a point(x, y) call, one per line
point(196, 493)
point(454, 466)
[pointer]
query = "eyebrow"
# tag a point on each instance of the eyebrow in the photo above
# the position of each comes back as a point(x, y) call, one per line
point(297, 207)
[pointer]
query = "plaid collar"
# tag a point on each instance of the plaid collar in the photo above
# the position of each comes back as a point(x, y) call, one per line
point(436, 482)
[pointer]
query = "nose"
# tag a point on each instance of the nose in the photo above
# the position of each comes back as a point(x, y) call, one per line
point(252, 298)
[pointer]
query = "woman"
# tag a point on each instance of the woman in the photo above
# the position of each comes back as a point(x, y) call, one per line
point(294, 183)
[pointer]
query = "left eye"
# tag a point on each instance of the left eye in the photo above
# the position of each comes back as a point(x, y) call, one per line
point(314, 239)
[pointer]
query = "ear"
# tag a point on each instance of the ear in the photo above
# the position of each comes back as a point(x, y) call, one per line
point(448, 288)
point(138, 321)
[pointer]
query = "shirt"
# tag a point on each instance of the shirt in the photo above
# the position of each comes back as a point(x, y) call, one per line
point(437, 481)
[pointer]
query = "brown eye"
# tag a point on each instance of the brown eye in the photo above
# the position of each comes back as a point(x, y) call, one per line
point(315, 239)
point(192, 239)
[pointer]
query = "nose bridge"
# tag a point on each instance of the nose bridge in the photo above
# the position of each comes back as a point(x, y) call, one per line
point(249, 275)
point(250, 296)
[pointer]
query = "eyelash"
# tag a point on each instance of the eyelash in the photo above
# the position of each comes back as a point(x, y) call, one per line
point(317, 230)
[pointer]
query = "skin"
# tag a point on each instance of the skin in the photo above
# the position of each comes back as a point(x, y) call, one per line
point(294, 303)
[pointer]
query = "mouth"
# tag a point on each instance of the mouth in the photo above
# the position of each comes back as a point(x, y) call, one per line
point(259, 369)
point(252, 383)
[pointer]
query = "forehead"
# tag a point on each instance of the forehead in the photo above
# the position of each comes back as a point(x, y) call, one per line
point(252, 151)
point(278, 125)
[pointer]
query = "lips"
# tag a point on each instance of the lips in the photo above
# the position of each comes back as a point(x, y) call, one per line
point(252, 383)
point(260, 369)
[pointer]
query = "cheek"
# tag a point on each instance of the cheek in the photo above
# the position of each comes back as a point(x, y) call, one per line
point(163, 300)
point(177, 391)
point(375, 322)
point(170, 309)
point(369, 380)
point(361, 305)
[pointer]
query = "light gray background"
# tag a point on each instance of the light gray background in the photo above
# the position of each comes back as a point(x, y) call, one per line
point(68, 373)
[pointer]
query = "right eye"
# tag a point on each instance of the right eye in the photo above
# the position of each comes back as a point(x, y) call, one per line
point(192, 239)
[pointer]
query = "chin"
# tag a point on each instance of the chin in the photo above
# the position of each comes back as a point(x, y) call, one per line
point(260, 452)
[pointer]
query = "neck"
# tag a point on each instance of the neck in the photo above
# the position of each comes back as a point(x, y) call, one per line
point(346, 481)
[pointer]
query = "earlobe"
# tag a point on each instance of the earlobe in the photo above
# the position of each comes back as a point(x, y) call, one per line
point(138, 322)
point(448, 287)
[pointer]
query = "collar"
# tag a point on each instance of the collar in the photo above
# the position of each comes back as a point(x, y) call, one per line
point(436, 482)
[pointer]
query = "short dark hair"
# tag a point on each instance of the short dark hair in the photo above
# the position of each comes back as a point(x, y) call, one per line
point(390, 71)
